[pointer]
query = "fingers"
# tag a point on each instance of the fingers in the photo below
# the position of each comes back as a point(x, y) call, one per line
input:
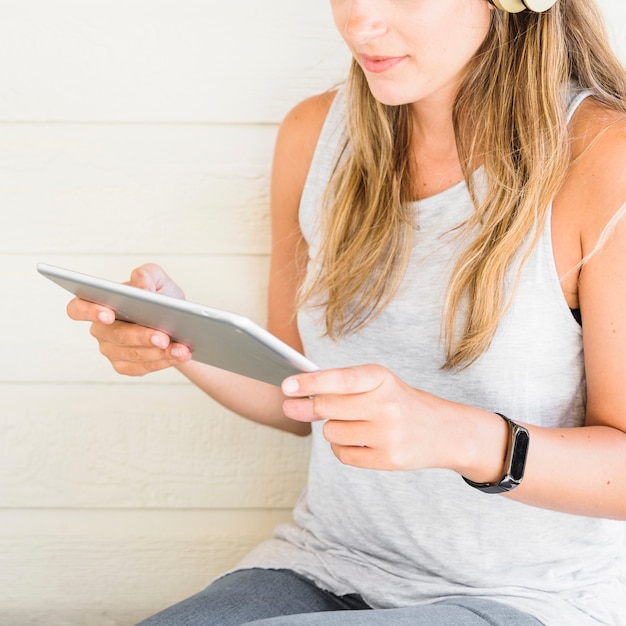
point(368, 414)
point(148, 276)
point(84, 311)
point(331, 394)
point(374, 420)
point(347, 380)
point(123, 334)
point(152, 277)
point(136, 350)
point(111, 332)
point(345, 407)
point(133, 349)
point(140, 363)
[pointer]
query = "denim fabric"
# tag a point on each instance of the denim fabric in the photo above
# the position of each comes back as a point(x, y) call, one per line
point(283, 598)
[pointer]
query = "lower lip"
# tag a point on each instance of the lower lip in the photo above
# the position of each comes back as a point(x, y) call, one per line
point(380, 66)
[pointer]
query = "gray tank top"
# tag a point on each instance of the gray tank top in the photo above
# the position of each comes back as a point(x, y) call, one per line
point(413, 537)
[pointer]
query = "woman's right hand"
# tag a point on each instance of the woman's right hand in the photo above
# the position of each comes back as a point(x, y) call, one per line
point(132, 349)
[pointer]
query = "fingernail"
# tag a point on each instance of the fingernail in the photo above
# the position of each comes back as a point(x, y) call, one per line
point(159, 341)
point(178, 351)
point(104, 317)
point(290, 385)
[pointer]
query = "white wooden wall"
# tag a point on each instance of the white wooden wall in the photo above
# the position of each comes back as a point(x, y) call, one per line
point(135, 130)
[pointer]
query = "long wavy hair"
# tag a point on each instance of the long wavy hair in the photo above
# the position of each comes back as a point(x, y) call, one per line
point(510, 116)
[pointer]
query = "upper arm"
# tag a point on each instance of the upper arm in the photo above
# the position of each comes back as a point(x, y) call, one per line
point(602, 281)
point(295, 145)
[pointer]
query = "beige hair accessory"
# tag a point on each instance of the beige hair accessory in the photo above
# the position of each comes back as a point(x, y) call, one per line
point(517, 6)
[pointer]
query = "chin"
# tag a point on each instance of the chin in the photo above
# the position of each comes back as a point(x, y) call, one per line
point(391, 95)
point(392, 100)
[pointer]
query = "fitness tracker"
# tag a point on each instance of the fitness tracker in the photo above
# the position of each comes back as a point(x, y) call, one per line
point(514, 462)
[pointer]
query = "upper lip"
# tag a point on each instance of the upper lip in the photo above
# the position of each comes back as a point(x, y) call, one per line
point(379, 57)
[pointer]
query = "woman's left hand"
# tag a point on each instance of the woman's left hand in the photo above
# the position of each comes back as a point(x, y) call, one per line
point(373, 419)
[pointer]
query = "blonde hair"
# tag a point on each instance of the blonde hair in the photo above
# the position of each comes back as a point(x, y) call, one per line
point(510, 116)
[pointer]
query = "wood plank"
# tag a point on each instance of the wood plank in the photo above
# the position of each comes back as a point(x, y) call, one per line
point(139, 446)
point(615, 15)
point(144, 188)
point(164, 60)
point(113, 568)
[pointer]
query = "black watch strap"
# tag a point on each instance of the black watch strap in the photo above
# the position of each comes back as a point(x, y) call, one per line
point(514, 462)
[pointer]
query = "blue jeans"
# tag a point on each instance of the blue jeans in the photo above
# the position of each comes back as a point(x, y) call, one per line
point(283, 598)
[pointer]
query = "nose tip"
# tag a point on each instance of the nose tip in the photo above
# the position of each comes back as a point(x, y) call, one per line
point(361, 29)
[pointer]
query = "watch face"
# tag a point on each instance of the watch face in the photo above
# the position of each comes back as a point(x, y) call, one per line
point(515, 461)
point(518, 462)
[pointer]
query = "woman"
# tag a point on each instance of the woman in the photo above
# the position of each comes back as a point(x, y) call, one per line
point(448, 229)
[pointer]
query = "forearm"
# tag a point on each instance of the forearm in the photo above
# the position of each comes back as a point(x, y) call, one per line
point(252, 399)
point(574, 470)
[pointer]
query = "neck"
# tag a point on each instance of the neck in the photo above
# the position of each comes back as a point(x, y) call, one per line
point(435, 161)
point(433, 131)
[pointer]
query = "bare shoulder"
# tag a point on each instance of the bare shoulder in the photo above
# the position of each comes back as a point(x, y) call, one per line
point(594, 123)
point(303, 124)
point(598, 179)
point(598, 171)
point(297, 138)
point(295, 146)
point(593, 191)
point(311, 112)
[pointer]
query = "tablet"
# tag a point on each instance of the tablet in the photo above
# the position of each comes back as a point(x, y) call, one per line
point(216, 337)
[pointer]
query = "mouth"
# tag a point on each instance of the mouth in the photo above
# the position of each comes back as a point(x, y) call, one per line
point(379, 64)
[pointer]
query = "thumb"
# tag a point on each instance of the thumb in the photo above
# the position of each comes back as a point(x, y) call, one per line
point(153, 277)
